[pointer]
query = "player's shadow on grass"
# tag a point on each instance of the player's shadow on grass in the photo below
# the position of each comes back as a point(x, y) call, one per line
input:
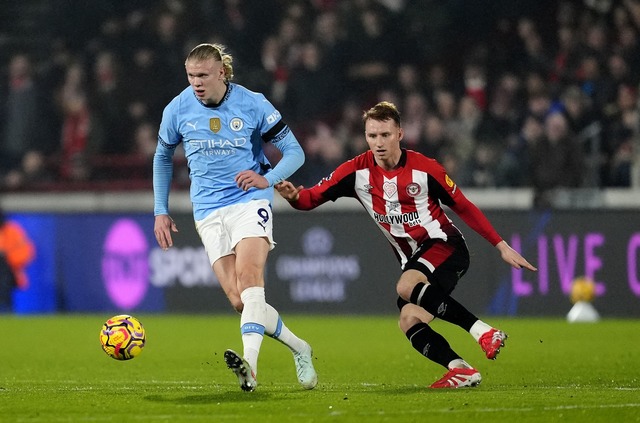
point(215, 398)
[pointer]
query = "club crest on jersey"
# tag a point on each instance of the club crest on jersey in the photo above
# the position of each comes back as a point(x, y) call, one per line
point(236, 124)
point(389, 188)
point(413, 189)
point(214, 124)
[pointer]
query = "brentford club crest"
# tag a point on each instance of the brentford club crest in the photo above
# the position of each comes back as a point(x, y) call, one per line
point(413, 189)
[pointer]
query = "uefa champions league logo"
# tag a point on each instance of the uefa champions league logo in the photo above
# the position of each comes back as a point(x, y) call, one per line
point(318, 275)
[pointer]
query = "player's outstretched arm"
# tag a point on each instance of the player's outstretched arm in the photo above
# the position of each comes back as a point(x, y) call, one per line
point(162, 228)
point(288, 191)
point(512, 257)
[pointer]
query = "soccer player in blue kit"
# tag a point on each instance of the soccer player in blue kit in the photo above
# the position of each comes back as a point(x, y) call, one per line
point(223, 127)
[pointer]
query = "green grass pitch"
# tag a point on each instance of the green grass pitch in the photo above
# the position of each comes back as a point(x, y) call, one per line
point(52, 369)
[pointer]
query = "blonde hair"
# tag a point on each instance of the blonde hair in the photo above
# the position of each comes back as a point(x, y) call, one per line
point(382, 111)
point(208, 51)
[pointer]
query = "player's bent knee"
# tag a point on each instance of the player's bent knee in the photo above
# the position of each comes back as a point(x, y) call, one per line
point(406, 322)
point(411, 315)
point(408, 281)
point(407, 318)
point(403, 290)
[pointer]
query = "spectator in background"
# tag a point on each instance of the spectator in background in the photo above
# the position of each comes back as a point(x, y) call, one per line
point(311, 70)
point(16, 252)
point(437, 78)
point(323, 152)
point(416, 112)
point(475, 84)
point(348, 128)
point(408, 79)
point(539, 102)
point(142, 72)
point(481, 169)
point(242, 26)
point(34, 172)
point(619, 70)
point(445, 105)
point(280, 52)
point(25, 121)
point(535, 56)
point(621, 162)
point(452, 164)
point(145, 140)
point(370, 53)
point(168, 42)
point(463, 129)
point(366, 48)
point(588, 128)
point(623, 127)
point(577, 109)
point(596, 43)
point(82, 135)
point(514, 166)
point(435, 139)
point(426, 29)
point(330, 35)
point(557, 160)
point(629, 45)
point(108, 104)
point(565, 56)
point(592, 82)
point(274, 68)
point(502, 114)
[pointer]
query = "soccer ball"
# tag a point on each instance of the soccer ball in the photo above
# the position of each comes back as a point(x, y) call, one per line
point(122, 337)
point(582, 290)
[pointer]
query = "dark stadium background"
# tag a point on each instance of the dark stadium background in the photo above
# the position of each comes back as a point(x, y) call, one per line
point(114, 65)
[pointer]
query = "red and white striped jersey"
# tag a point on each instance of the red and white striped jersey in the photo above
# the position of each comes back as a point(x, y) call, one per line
point(405, 202)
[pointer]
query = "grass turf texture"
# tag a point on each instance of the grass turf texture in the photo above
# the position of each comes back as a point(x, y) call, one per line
point(53, 370)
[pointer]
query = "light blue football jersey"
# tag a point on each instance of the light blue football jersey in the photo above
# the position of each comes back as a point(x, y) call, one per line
point(219, 142)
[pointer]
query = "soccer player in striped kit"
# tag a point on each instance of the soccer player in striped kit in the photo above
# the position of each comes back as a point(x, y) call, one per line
point(402, 191)
point(223, 127)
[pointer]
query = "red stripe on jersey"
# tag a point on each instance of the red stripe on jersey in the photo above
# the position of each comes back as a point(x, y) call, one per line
point(415, 182)
point(378, 202)
point(410, 202)
point(438, 254)
point(387, 202)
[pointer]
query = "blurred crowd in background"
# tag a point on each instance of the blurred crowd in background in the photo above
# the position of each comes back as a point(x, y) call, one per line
point(504, 93)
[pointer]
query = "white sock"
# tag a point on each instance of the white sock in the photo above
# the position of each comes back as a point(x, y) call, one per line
point(478, 329)
point(275, 328)
point(252, 322)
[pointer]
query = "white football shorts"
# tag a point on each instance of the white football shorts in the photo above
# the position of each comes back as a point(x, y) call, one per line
point(221, 230)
